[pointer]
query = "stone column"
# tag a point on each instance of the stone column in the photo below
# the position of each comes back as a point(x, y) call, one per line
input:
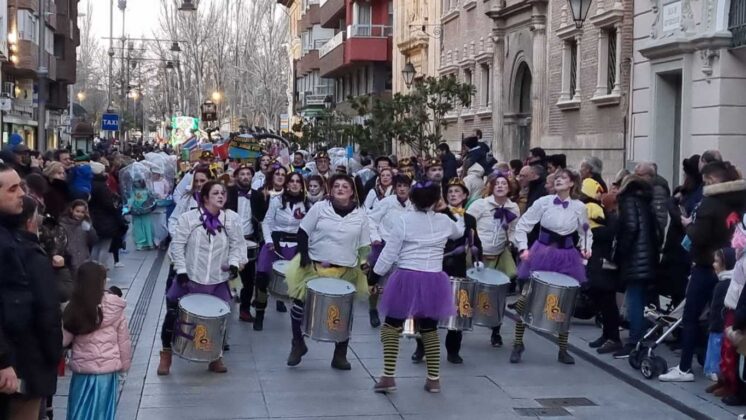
point(618, 69)
point(603, 52)
point(499, 144)
point(578, 60)
point(539, 74)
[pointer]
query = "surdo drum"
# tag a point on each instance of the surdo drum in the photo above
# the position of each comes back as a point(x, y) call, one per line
point(491, 292)
point(200, 327)
point(550, 301)
point(328, 309)
point(463, 296)
point(278, 287)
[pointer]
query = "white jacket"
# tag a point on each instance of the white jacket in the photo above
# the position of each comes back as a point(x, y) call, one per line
point(379, 219)
point(371, 200)
point(206, 258)
point(285, 220)
point(491, 231)
point(185, 204)
point(474, 181)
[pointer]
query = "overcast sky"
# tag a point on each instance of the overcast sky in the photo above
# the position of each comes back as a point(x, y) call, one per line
point(140, 20)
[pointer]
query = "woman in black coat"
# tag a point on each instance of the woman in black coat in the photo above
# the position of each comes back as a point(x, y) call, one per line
point(637, 244)
point(106, 217)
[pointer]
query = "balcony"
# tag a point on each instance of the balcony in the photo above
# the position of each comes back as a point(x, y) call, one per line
point(309, 61)
point(309, 18)
point(315, 97)
point(737, 23)
point(330, 12)
point(361, 43)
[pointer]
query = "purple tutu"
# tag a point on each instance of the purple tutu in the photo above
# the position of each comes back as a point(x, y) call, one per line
point(375, 252)
point(544, 257)
point(220, 290)
point(417, 294)
point(267, 257)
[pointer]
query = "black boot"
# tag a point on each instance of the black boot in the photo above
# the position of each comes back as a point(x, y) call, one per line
point(375, 321)
point(419, 353)
point(281, 306)
point(340, 356)
point(453, 346)
point(259, 321)
point(496, 339)
point(297, 351)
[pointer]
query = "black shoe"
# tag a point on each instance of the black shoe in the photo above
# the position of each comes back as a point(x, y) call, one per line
point(610, 346)
point(296, 352)
point(281, 306)
point(733, 400)
point(455, 359)
point(375, 321)
point(418, 355)
point(623, 352)
point(515, 355)
point(564, 357)
point(496, 340)
point(339, 361)
point(597, 342)
point(259, 321)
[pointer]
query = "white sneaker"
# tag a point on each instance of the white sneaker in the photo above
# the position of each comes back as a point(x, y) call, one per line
point(676, 375)
point(119, 265)
point(712, 376)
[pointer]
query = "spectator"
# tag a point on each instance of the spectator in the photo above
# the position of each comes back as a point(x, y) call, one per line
point(636, 252)
point(515, 167)
point(107, 218)
point(724, 200)
point(474, 181)
point(299, 162)
point(536, 156)
point(380, 163)
point(709, 156)
point(58, 195)
point(81, 235)
point(592, 167)
point(661, 192)
point(450, 165)
point(80, 179)
point(556, 162)
point(63, 156)
point(533, 178)
point(725, 260)
point(37, 187)
point(472, 153)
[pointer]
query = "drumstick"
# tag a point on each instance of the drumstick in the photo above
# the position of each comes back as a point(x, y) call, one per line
point(585, 243)
point(282, 257)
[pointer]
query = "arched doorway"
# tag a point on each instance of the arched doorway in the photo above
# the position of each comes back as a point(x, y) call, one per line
point(522, 109)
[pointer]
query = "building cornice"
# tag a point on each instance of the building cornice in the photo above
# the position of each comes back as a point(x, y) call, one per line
point(668, 47)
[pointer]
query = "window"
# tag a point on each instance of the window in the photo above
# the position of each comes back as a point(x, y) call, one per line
point(570, 93)
point(391, 13)
point(573, 47)
point(611, 62)
point(59, 47)
point(27, 26)
point(48, 40)
point(467, 76)
point(361, 17)
point(485, 85)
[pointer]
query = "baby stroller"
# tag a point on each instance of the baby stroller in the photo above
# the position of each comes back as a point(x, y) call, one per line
point(665, 323)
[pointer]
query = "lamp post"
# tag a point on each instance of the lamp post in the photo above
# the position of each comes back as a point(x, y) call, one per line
point(579, 10)
point(328, 105)
point(187, 6)
point(408, 72)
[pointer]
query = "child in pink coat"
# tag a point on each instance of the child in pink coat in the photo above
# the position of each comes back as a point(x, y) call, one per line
point(94, 324)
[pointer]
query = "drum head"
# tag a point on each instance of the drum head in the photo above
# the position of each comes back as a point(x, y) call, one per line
point(555, 279)
point(331, 286)
point(251, 244)
point(488, 276)
point(204, 305)
point(280, 266)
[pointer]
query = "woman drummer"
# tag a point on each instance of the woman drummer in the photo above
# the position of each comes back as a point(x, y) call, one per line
point(561, 217)
point(384, 187)
point(497, 217)
point(418, 288)
point(272, 188)
point(378, 220)
point(191, 198)
point(280, 230)
point(207, 249)
point(454, 259)
point(333, 241)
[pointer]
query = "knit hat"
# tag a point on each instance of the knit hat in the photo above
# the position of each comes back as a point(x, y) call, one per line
point(691, 166)
point(729, 257)
point(591, 188)
point(97, 168)
point(471, 142)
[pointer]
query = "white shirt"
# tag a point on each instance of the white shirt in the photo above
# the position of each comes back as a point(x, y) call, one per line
point(418, 240)
point(244, 213)
point(371, 200)
point(556, 218)
point(492, 231)
point(201, 256)
point(182, 187)
point(182, 206)
point(285, 220)
point(383, 214)
point(333, 238)
point(258, 181)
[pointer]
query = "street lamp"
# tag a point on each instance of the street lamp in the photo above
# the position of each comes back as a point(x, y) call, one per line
point(169, 65)
point(187, 6)
point(81, 96)
point(216, 96)
point(408, 73)
point(579, 10)
point(175, 47)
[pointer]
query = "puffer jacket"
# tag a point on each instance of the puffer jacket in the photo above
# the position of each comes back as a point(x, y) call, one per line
point(714, 220)
point(638, 236)
point(79, 241)
point(474, 181)
point(109, 348)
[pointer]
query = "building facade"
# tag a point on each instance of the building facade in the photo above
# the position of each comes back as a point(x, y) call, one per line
point(688, 82)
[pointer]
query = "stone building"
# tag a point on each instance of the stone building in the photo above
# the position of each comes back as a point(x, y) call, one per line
point(688, 82)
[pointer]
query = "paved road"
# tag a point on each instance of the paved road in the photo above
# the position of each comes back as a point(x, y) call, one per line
point(260, 385)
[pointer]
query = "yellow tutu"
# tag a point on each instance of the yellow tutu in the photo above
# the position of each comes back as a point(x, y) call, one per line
point(297, 277)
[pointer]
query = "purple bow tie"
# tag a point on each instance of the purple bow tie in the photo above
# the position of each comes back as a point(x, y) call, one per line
point(211, 222)
point(559, 202)
point(244, 193)
point(507, 216)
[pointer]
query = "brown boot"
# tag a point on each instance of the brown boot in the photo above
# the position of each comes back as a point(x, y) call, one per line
point(164, 366)
point(713, 387)
point(432, 385)
point(384, 385)
point(217, 366)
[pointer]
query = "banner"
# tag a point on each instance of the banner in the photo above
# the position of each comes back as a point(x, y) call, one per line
point(244, 147)
point(183, 129)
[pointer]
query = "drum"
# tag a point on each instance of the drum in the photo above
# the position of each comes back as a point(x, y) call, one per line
point(492, 287)
point(463, 296)
point(200, 327)
point(252, 250)
point(278, 287)
point(328, 309)
point(550, 301)
point(409, 330)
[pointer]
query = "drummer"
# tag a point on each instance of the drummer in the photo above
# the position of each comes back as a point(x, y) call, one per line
point(454, 259)
point(384, 187)
point(186, 182)
point(418, 288)
point(189, 199)
point(263, 174)
point(323, 165)
point(239, 200)
point(280, 230)
point(378, 221)
point(497, 217)
point(333, 241)
point(207, 249)
point(561, 217)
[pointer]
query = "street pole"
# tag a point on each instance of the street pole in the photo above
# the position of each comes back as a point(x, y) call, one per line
point(42, 73)
point(110, 52)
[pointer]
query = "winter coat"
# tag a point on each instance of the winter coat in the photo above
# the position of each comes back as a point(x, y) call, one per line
point(79, 241)
point(38, 340)
point(450, 167)
point(710, 230)
point(675, 262)
point(474, 181)
point(107, 349)
point(638, 234)
point(14, 289)
point(716, 317)
point(661, 196)
point(603, 249)
point(107, 219)
point(737, 281)
point(57, 198)
point(536, 190)
point(80, 183)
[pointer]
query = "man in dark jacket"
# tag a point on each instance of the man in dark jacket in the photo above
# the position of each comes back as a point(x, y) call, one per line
point(106, 217)
point(473, 153)
point(709, 229)
point(637, 242)
point(450, 164)
point(661, 190)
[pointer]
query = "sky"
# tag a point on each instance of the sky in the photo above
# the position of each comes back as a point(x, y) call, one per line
point(141, 17)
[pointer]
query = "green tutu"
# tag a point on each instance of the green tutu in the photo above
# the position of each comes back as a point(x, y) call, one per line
point(297, 277)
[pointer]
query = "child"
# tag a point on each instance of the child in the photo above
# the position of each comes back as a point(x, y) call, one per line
point(725, 259)
point(730, 387)
point(142, 203)
point(94, 323)
point(80, 233)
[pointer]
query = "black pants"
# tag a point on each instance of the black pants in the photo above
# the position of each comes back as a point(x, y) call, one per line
point(605, 301)
point(262, 283)
point(169, 322)
point(247, 280)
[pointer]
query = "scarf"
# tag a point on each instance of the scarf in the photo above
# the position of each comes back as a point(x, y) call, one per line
point(315, 198)
point(457, 211)
point(211, 222)
point(343, 210)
